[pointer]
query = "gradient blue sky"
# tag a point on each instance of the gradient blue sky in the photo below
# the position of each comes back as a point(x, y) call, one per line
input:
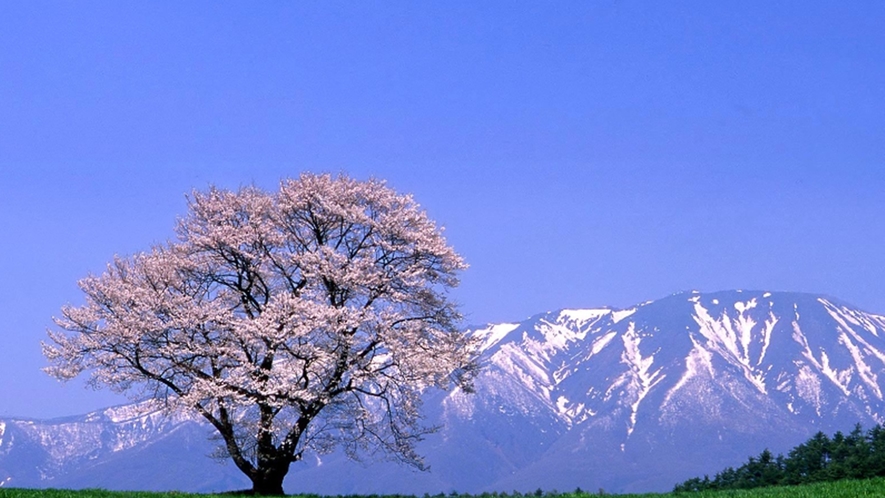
point(579, 154)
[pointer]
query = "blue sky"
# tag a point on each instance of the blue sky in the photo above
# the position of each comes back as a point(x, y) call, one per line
point(579, 154)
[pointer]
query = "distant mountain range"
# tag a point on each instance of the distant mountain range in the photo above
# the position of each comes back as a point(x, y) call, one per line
point(625, 400)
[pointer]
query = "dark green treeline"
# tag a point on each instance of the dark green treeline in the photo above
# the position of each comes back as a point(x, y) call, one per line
point(858, 455)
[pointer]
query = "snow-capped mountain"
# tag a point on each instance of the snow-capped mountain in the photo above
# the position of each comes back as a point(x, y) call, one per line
point(133, 446)
point(637, 399)
point(626, 400)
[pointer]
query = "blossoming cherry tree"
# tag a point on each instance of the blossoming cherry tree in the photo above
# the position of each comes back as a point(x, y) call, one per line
point(306, 319)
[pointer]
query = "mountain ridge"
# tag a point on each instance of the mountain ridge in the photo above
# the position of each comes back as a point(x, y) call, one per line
point(632, 399)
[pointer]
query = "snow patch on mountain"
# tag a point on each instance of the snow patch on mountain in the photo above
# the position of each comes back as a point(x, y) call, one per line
point(733, 345)
point(601, 343)
point(808, 387)
point(640, 378)
point(617, 316)
point(493, 334)
point(698, 361)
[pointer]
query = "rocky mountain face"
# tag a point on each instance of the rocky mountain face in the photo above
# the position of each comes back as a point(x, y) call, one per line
point(626, 400)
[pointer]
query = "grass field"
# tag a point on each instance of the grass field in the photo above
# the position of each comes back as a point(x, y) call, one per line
point(841, 489)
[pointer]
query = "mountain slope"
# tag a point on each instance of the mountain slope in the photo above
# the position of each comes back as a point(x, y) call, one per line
point(628, 400)
point(674, 385)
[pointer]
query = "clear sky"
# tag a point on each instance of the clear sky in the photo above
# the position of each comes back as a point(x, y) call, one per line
point(579, 154)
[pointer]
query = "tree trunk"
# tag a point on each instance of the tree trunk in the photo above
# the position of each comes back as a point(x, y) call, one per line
point(269, 481)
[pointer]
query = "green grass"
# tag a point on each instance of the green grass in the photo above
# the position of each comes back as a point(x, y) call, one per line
point(839, 489)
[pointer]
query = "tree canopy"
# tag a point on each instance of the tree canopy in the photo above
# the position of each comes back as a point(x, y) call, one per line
point(305, 319)
point(857, 455)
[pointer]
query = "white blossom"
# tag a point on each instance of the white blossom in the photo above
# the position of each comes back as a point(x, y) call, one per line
point(300, 320)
